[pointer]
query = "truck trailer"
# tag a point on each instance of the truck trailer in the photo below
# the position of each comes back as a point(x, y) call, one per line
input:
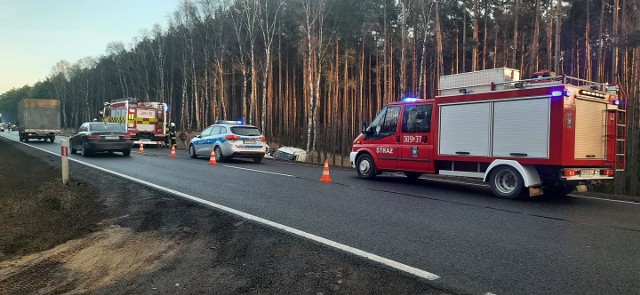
point(39, 119)
point(525, 137)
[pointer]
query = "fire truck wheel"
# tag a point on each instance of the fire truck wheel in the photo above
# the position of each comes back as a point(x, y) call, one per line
point(366, 166)
point(192, 151)
point(559, 190)
point(506, 182)
point(412, 175)
point(218, 152)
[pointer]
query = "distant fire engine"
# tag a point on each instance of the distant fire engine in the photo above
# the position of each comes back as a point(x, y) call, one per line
point(144, 121)
point(549, 134)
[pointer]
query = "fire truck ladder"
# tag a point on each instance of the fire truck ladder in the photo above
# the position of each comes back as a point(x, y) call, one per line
point(621, 130)
point(621, 142)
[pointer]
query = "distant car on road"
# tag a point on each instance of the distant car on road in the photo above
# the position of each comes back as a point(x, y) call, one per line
point(229, 139)
point(101, 137)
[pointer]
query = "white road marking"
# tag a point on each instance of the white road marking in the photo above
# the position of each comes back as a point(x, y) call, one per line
point(373, 257)
point(260, 171)
point(427, 178)
point(610, 200)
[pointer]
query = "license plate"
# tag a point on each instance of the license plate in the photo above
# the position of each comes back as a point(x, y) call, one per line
point(112, 137)
point(586, 173)
point(249, 141)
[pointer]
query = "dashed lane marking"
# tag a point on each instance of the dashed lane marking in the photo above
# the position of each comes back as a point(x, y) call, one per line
point(260, 171)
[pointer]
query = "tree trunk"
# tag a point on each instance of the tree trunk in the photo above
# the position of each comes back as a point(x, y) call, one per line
point(587, 46)
point(556, 63)
point(439, 51)
point(476, 28)
point(516, 13)
point(533, 52)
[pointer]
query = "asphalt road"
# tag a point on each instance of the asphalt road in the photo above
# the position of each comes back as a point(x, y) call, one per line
point(474, 242)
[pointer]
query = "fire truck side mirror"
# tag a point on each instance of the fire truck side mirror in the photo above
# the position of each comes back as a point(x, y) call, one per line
point(363, 128)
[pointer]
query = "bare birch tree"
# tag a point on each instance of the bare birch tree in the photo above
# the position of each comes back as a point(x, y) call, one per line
point(268, 20)
point(236, 17)
point(314, 15)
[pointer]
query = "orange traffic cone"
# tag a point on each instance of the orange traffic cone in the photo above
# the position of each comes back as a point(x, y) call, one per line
point(173, 151)
point(212, 159)
point(141, 149)
point(325, 173)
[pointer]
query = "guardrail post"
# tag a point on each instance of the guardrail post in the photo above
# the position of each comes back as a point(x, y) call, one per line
point(64, 155)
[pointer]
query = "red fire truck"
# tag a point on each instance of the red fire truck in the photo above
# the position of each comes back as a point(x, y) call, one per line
point(144, 121)
point(550, 134)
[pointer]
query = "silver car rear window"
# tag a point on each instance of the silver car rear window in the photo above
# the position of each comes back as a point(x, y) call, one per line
point(106, 127)
point(245, 131)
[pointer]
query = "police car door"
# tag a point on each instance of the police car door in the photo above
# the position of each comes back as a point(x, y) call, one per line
point(416, 143)
point(382, 138)
point(202, 145)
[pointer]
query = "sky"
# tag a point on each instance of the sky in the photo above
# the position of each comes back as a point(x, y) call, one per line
point(36, 34)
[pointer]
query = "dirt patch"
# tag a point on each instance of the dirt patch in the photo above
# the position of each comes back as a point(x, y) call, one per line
point(105, 235)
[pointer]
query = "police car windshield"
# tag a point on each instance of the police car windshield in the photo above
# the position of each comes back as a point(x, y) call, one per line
point(246, 131)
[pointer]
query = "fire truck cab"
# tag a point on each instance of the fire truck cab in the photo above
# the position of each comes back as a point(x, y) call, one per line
point(144, 121)
point(550, 134)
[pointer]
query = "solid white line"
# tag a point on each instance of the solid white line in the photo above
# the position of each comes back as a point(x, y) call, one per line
point(260, 171)
point(373, 257)
point(610, 200)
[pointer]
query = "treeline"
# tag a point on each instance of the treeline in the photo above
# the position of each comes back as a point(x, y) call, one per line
point(307, 72)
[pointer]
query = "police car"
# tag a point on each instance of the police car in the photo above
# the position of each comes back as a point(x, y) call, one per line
point(229, 139)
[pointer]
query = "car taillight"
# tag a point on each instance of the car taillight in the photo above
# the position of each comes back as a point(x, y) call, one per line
point(232, 137)
point(262, 137)
point(569, 173)
point(607, 172)
point(93, 136)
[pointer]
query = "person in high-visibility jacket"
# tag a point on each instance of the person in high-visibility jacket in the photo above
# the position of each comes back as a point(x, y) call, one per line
point(172, 134)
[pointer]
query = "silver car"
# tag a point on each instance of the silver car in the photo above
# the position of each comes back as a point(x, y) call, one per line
point(229, 139)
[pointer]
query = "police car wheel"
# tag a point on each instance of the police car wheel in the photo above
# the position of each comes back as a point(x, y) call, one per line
point(192, 151)
point(366, 167)
point(218, 153)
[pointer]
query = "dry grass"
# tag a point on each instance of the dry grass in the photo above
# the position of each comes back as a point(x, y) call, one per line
point(37, 212)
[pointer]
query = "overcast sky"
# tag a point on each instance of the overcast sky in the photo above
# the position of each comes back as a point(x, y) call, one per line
point(36, 34)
